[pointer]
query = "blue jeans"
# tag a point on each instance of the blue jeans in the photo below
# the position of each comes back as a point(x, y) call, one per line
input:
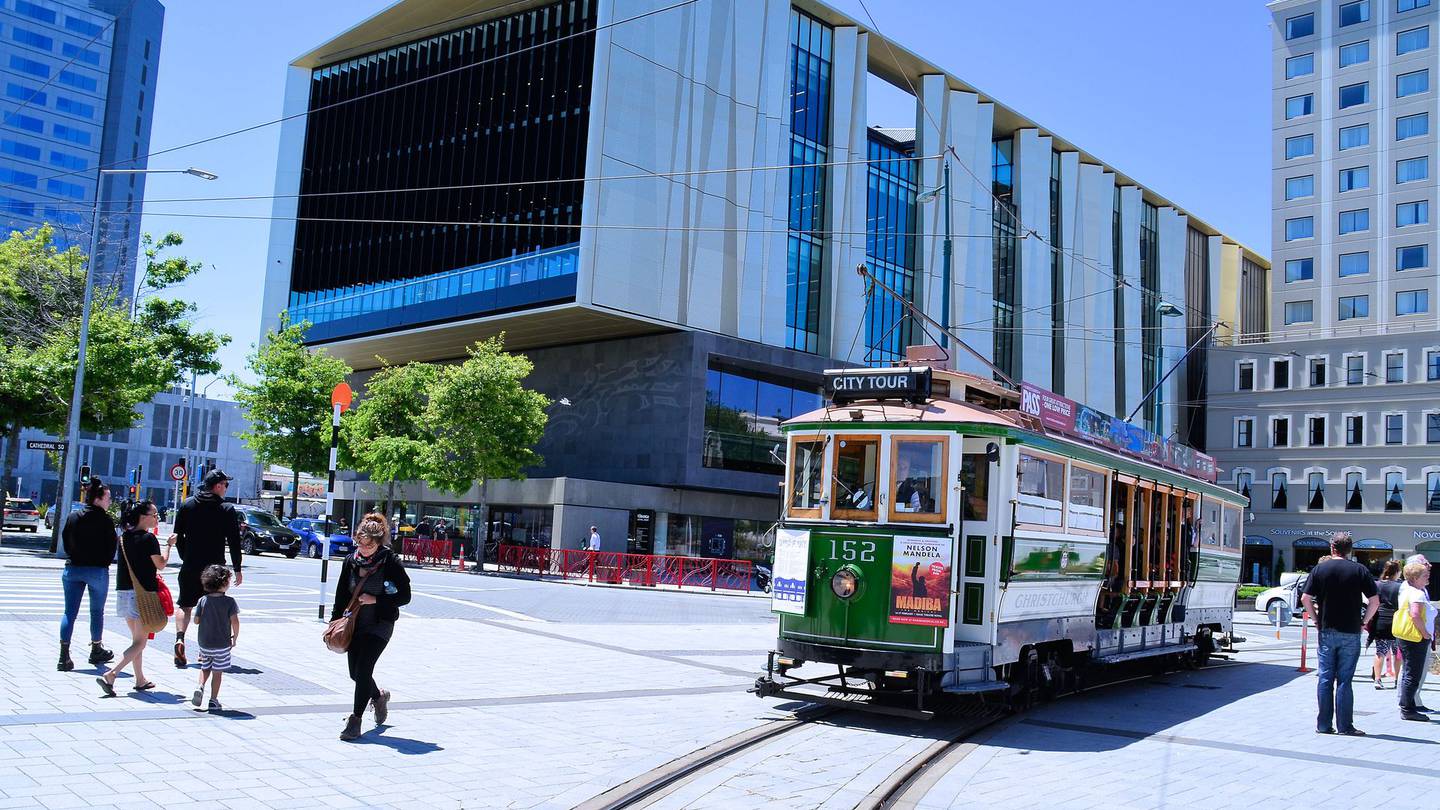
point(1338, 654)
point(76, 579)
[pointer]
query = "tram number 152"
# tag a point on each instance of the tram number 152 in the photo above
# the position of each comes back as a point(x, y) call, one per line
point(852, 550)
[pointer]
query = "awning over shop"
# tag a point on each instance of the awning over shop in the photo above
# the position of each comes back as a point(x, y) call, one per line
point(1431, 550)
point(1311, 542)
point(1257, 540)
point(1374, 545)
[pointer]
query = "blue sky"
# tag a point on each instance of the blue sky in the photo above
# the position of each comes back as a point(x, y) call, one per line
point(1174, 95)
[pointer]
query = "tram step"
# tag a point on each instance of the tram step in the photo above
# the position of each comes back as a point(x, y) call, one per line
point(1169, 649)
point(976, 687)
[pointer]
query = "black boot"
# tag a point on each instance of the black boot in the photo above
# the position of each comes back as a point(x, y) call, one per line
point(65, 664)
point(100, 655)
point(352, 729)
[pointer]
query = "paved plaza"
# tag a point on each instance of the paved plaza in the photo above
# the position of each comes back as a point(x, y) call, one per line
point(514, 693)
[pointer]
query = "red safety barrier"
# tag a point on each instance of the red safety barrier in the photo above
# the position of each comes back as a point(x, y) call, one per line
point(428, 552)
point(614, 567)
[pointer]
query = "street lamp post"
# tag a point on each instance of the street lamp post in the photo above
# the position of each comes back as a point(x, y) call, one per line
point(72, 449)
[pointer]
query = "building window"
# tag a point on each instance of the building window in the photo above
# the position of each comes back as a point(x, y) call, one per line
point(1150, 298)
point(1350, 138)
point(1410, 5)
point(1317, 372)
point(1246, 380)
point(1298, 106)
point(1354, 431)
point(1005, 232)
point(1394, 491)
point(1299, 228)
point(20, 150)
point(1415, 39)
point(1432, 365)
point(890, 226)
point(1413, 83)
point(1354, 53)
point(1299, 312)
point(1354, 13)
point(1299, 270)
point(1412, 257)
point(1394, 367)
point(1244, 483)
point(29, 66)
point(1302, 65)
point(1356, 178)
point(1280, 432)
point(1245, 432)
point(1412, 126)
point(1411, 170)
point(1299, 26)
point(1412, 302)
point(1353, 95)
point(1355, 369)
point(1354, 264)
point(1432, 491)
point(1279, 491)
point(1354, 492)
point(1394, 428)
point(1299, 146)
point(1280, 375)
point(1432, 428)
point(1316, 501)
point(1297, 187)
point(40, 13)
point(810, 45)
point(1412, 213)
point(1317, 431)
point(743, 412)
point(1354, 306)
point(1355, 221)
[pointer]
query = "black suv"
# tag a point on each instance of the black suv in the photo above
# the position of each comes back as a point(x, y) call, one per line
point(262, 531)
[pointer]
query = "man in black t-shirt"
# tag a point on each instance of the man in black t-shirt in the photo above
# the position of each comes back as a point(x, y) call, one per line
point(1334, 594)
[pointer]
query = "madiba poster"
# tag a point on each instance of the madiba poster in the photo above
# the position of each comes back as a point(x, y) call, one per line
point(920, 581)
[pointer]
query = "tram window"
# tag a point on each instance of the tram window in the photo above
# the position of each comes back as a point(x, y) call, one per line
point(1210, 524)
point(807, 465)
point(1042, 490)
point(1086, 508)
point(1231, 531)
point(856, 462)
point(919, 479)
point(975, 478)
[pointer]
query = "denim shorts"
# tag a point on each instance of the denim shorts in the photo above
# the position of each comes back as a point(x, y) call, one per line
point(125, 606)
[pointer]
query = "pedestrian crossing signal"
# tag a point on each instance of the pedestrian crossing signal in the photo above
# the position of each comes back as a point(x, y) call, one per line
point(84, 475)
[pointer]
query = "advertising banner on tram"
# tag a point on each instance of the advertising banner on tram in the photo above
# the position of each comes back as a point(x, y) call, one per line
point(792, 564)
point(920, 581)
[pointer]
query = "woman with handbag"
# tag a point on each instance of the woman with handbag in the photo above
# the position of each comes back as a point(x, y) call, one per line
point(372, 587)
point(137, 579)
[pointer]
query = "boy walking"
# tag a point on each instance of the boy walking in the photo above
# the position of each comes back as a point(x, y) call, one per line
point(218, 619)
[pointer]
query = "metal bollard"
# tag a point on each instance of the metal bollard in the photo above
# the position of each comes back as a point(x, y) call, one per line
point(1304, 640)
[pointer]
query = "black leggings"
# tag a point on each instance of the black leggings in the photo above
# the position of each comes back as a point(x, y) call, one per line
point(364, 651)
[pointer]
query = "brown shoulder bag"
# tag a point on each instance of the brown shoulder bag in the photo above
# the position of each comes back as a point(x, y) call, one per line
point(339, 632)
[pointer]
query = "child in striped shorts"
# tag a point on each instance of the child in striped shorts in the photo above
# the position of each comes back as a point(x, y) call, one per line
point(218, 618)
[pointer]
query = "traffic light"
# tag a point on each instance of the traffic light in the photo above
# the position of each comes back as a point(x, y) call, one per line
point(84, 475)
point(134, 490)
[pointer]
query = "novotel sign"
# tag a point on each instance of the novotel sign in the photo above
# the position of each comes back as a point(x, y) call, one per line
point(850, 385)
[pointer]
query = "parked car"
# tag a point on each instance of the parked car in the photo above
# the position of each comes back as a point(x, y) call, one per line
point(262, 531)
point(52, 511)
point(21, 513)
point(312, 538)
point(1292, 584)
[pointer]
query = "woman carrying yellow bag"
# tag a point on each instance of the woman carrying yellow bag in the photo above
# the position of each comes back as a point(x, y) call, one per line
point(1412, 628)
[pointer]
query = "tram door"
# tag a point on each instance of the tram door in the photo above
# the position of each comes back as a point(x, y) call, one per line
point(978, 546)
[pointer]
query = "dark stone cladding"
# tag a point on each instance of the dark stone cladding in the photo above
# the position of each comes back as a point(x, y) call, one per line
point(637, 408)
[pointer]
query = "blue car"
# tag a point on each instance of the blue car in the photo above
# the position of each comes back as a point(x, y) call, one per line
point(312, 538)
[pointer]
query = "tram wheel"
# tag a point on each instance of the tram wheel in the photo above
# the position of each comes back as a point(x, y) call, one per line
point(1204, 646)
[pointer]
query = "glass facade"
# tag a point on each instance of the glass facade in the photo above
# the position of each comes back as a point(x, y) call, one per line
point(1004, 217)
point(1057, 281)
point(451, 192)
point(1117, 269)
point(810, 44)
point(890, 225)
point(743, 412)
point(1149, 310)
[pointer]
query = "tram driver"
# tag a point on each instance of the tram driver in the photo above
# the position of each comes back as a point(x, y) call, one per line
point(912, 493)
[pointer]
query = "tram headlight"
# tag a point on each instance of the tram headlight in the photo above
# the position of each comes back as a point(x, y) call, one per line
point(846, 582)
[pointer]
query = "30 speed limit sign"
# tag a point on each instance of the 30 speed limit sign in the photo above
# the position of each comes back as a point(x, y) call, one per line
point(177, 472)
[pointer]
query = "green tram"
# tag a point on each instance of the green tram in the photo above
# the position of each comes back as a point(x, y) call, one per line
point(944, 533)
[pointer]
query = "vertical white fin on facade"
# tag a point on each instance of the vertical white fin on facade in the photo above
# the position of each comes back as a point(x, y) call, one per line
point(1032, 196)
point(846, 212)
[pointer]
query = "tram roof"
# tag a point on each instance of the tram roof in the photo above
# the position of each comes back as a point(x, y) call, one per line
point(891, 412)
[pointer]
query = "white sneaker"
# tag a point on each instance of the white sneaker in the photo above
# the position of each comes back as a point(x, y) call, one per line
point(197, 699)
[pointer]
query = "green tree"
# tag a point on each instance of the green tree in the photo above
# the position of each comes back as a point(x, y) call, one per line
point(386, 436)
point(288, 405)
point(486, 423)
point(128, 359)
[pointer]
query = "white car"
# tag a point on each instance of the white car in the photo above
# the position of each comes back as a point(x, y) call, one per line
point(1292, 584)
point(21, 512)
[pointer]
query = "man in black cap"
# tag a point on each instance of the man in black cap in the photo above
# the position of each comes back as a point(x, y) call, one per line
point(204, 525)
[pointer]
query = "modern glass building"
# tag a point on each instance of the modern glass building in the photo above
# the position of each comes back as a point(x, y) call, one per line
point(664, 209)
point(79, 82)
